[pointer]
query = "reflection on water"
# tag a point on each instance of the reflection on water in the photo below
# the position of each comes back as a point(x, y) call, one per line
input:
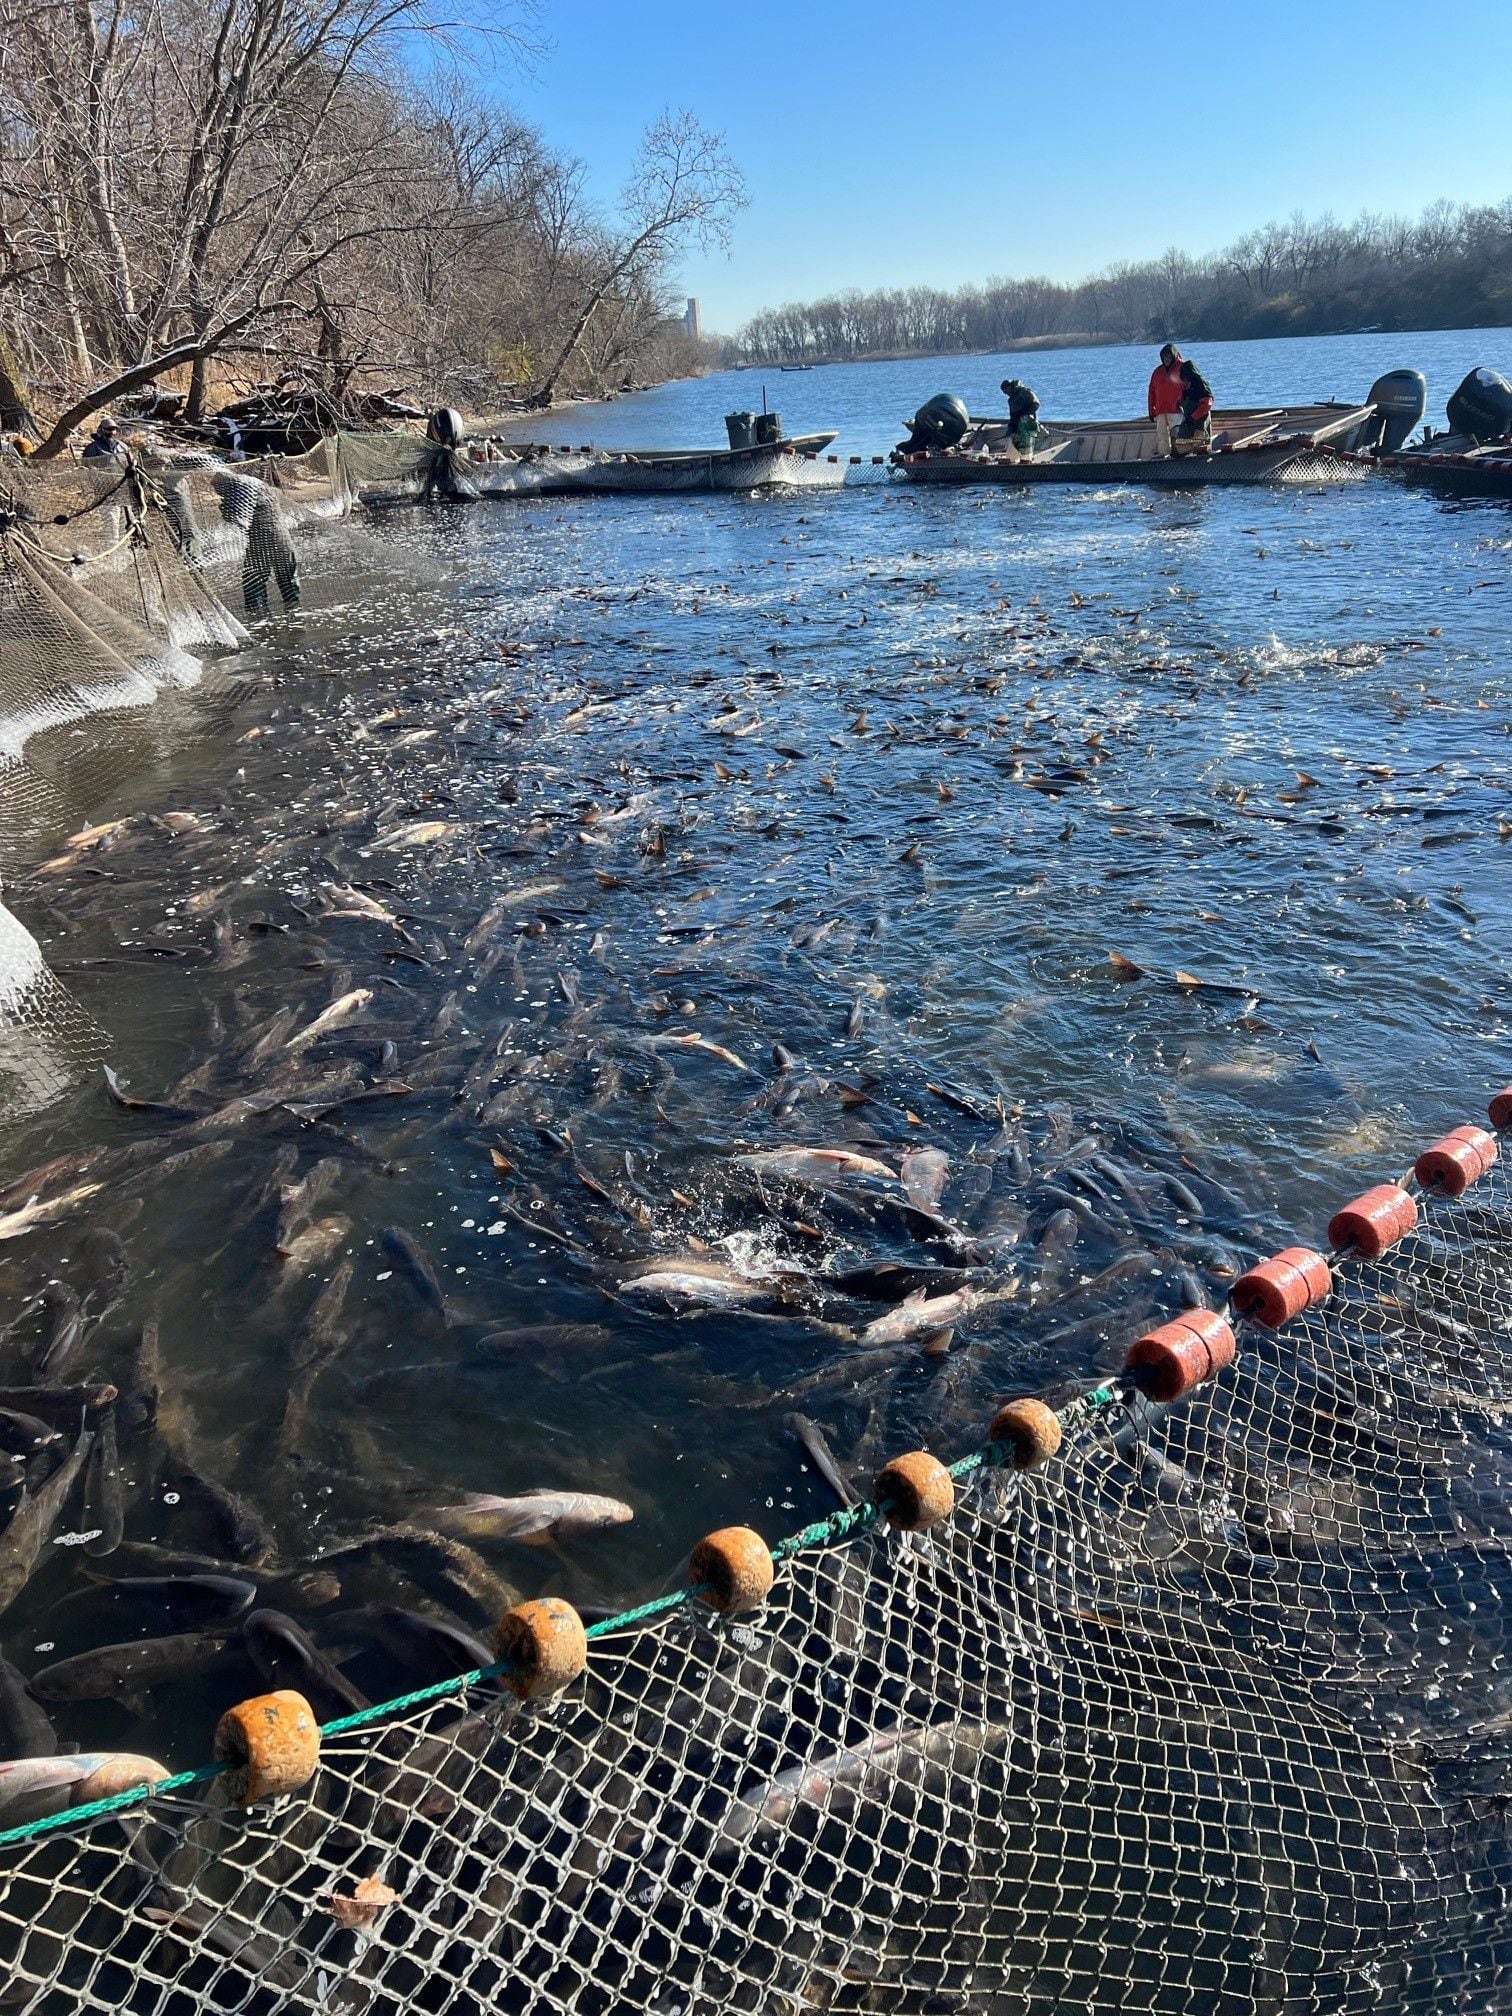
point(568, 858)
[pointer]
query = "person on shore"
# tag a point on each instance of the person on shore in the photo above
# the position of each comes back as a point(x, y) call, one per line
point(105, 444)
point(1023, 415)
point(1165, 396)
point(1195, 434)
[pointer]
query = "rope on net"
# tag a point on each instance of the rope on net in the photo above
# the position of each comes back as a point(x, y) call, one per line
point(1167, 1363)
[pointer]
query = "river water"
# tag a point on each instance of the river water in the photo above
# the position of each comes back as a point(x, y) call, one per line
point(867, 403)
point(632, 790)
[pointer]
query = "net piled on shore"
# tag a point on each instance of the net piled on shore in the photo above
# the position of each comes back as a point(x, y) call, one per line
point(1197, 1700)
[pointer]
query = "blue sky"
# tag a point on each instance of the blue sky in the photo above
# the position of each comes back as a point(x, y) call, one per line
point(886, 143)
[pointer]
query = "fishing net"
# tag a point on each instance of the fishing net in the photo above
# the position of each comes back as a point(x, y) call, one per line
point(111, 581)
point(1207, 1713)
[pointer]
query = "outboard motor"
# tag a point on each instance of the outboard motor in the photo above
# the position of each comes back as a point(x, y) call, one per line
point(447, 474)
point(741, 428)
point(941, 422)
point(444, 427)
point(1399, 398)
point(768, 429)
point(1482, 406)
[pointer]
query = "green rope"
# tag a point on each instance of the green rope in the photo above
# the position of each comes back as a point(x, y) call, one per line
point(840, 1527)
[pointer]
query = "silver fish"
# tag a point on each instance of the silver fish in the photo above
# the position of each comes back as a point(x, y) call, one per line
point(536, 1517)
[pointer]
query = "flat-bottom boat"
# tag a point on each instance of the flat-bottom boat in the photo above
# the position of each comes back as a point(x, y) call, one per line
point(1456, 466)
point(545, 471)
point(1251, 444)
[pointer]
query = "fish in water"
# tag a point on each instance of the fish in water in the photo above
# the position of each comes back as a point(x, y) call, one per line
point(838, 1783)
point(433, 1648)
point(102, 1255)
point(919, 1313)
point(33, 1787)
point(539, 1340)
point(824, 1166)
point(416, 1265)
point(194, 1601)
point(536, 1517)
point(312, 1244)
point(63, 1329)
point(287, 1656)
point(924, 1172)
point(31, 1526)
point(25, 1730)
point(688, 1282)
point(343, 1011)
point(124, 1672)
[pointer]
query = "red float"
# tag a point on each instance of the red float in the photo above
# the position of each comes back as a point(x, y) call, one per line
point(1450, 1166)
point(1280, 1288)
point(1170, 1361)
point(1375, 1220)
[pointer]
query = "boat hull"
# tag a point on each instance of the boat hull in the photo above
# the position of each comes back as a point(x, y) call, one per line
point(1474, 473)
point(1251, 445)
point(1286, 465)
point(651, 472)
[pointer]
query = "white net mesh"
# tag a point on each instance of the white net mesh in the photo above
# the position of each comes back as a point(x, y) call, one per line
point(1207, 1715)
point(111, 580)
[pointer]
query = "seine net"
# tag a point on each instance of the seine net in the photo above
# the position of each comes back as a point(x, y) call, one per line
point(1209, 1713)
point(111, 580)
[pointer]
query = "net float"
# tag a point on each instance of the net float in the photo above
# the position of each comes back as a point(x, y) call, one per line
point(271, 1744)
point(914, 1492)
point(542, 1645)
point(1450, 1166)
point(1027, 1431)
point(1169, 1361)
point(1376, 1219)
point(732, 1570)
point(1280, 1288)
point(1500, 1109)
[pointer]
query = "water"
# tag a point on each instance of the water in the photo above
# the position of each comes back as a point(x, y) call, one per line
point(868, 403)
point(882, 776)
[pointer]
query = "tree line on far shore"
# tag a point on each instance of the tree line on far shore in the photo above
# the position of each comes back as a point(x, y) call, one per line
point(1449, 268)
point(220, 191)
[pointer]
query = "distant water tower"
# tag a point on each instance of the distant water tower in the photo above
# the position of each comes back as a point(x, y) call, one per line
point(693, 319)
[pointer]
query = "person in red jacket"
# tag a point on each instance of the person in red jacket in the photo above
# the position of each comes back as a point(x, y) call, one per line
point(1165, 396)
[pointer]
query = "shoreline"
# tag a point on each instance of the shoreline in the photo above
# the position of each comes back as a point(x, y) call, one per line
point(1081, 340)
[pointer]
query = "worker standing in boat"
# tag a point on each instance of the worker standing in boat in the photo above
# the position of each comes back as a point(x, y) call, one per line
point(1023, 415)
point(1165, 396)
point(1195, 434)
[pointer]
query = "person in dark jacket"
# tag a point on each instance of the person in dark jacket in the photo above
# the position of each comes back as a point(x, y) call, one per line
point(1195, 434)
point(105, 444)
point(1023, 415)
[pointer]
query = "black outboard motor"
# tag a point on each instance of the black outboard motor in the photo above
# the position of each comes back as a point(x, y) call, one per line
point(941, 422)
point(741, 428)
point(444, 427)
point(1399, 398)
point(1482, 406)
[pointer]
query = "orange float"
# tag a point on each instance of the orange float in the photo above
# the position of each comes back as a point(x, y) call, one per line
point(1280, 1288)
point(1450, 1166)
point(1375, 1220)
point(1181, 1354)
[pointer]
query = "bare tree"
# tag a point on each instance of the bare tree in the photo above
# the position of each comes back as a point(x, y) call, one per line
point(683, 187)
